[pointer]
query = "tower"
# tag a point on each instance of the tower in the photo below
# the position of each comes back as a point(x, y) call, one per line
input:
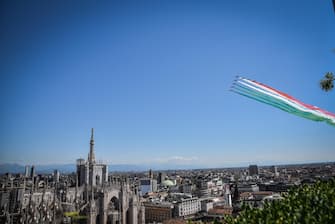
point(91, 156)
point(161, 177)
point(274, 170)
point(151, 174)
point(26, 171)
point(253, 170)
point(91, 172)
point(56, 176)
point(32, 172)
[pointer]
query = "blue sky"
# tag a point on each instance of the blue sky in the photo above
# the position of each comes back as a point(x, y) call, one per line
point(153, 79)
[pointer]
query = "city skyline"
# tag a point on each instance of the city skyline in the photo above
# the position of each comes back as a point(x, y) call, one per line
point(153, 79)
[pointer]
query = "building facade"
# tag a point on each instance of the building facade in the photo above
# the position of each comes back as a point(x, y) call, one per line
point(158, 212)
point(187, 206)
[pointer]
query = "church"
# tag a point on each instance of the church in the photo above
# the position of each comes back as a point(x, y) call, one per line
point(101, 200)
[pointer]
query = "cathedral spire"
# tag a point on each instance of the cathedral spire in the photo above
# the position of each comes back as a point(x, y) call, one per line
point(91, 155)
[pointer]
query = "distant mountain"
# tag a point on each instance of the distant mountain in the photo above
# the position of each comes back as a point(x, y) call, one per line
point(126, 167)
point(62, 168)
point(157, 166)
point(16, 168)
point(11, 168)
point(69, 168)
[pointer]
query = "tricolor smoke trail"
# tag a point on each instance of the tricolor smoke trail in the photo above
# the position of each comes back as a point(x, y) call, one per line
point(278, 99)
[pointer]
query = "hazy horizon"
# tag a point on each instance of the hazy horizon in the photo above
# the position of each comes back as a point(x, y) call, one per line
point(66, 168)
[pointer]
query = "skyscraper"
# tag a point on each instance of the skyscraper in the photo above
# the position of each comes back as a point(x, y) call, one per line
point(26, 171)
point(56, 176)
point(253, 170)
point(32, 172)
point(161, 177)
point(274, 170)
point(151, 174)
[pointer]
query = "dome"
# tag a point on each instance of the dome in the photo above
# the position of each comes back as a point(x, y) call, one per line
point(167, 183)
